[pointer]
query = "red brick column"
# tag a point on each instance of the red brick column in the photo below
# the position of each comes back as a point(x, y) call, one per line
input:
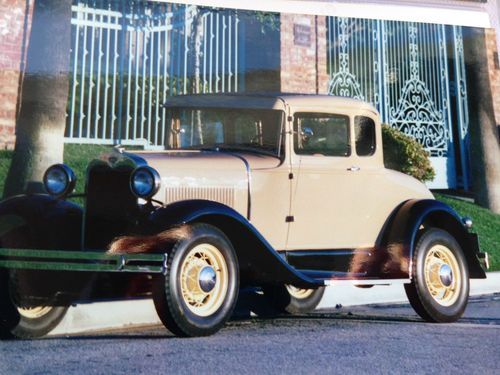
point(12, 35)
point(303, 54)
point(494, 69)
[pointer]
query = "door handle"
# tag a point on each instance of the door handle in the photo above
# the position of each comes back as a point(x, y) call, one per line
point(353, 169)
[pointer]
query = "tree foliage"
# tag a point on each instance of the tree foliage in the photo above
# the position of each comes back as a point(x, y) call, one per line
point(269, 21)
point(403, 153)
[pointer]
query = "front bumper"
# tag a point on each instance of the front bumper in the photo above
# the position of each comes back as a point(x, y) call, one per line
point(484, 260)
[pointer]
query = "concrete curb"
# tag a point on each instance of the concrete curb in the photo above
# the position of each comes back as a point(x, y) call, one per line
point(351, 296)
point(114, 315)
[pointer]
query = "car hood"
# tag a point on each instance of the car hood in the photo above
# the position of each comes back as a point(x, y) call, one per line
point(217, 176)
point(219, 160)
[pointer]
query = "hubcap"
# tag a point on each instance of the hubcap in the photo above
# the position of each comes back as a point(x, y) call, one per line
point(204, 279)
point(207, 279)
point(446, 275)
point(442, 275)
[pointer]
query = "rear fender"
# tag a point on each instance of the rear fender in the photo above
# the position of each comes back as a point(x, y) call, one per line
point(414, 215)
point(259, 262)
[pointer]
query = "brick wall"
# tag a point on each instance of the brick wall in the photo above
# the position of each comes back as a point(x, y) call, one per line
point(493, 66)
point(12, 24)
point(303, 54)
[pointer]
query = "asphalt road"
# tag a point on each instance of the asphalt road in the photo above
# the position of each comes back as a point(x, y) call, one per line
point(371, 339)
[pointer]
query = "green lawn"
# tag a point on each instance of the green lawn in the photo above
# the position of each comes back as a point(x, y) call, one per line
point(78, 157)
point(486, 223)
point(5, 157)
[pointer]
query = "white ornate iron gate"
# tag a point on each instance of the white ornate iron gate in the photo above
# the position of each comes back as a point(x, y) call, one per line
point(403, 69)
point(129, 56)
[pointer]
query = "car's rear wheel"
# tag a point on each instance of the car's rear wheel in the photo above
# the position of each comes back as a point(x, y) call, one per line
point(293, 300)
point(199, 291)
point(439, 289)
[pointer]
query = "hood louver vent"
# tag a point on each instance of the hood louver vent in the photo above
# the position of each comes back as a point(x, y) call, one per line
point(224, 195)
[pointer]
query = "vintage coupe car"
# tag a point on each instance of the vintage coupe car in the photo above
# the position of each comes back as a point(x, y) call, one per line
point(284, 192)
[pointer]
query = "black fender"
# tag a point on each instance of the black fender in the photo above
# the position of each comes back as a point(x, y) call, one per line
point(259, 262)
point(50, 223)
point(43, 222)
point(403, 229)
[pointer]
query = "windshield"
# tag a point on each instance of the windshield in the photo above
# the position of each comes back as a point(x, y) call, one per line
point(252, 130)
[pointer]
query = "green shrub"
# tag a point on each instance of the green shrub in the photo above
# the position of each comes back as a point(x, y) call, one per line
point(403, 153)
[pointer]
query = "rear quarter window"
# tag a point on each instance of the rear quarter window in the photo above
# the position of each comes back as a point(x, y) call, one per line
point(364, 131)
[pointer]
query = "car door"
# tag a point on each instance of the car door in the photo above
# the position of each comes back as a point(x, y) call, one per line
point(322, 165)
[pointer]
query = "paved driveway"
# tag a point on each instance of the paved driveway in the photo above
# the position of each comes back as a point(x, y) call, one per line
point(370, 339)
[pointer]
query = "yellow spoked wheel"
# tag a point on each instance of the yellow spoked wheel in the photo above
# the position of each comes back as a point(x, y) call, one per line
point(204, 279)
point(34, 312)
point(289, 299)
point(442, 275)
point(299, 293)
point(20, 318)
point(199, 290)
point(439, 287)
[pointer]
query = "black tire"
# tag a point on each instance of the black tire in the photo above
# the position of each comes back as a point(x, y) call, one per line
point(181, 316)
point(290, 300)
point(429, 293)
point(25, 322)
point(9, 316)
point(17, 319)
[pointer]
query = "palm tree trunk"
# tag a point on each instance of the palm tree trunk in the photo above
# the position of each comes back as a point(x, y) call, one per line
point(196, 55)
point(42, 116)
point(485, 147)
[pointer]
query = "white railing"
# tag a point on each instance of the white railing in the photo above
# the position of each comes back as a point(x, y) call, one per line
point(129, 57)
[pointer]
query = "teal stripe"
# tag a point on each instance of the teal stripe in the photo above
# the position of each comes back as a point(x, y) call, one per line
point(55, 260)
point(86, 255)
point(60, 266)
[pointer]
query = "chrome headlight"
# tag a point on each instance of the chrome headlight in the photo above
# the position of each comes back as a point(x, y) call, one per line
point(145, 182)
point(59, 180)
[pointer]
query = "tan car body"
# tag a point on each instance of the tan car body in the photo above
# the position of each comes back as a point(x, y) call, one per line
point(237, 205)
point(303, 202)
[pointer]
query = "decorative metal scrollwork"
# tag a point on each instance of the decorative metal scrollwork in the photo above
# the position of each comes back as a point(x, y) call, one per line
point(461, 90)
point(416, 113)
point(343, 82)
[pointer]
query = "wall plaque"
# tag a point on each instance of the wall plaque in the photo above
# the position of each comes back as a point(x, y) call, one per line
point(302, 35)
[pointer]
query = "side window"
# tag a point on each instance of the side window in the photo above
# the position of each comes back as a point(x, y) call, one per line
point(322, 133)
point(364, 130)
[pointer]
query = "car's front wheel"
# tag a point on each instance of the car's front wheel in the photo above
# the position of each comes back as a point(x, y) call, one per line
point(200, 288)
point(20, 319)
point(439, 289)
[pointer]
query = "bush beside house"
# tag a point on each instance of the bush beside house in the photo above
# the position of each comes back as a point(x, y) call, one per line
point(403, 153)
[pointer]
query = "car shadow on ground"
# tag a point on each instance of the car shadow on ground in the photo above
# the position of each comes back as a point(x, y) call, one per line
point(253, 308)
point(252, 304)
